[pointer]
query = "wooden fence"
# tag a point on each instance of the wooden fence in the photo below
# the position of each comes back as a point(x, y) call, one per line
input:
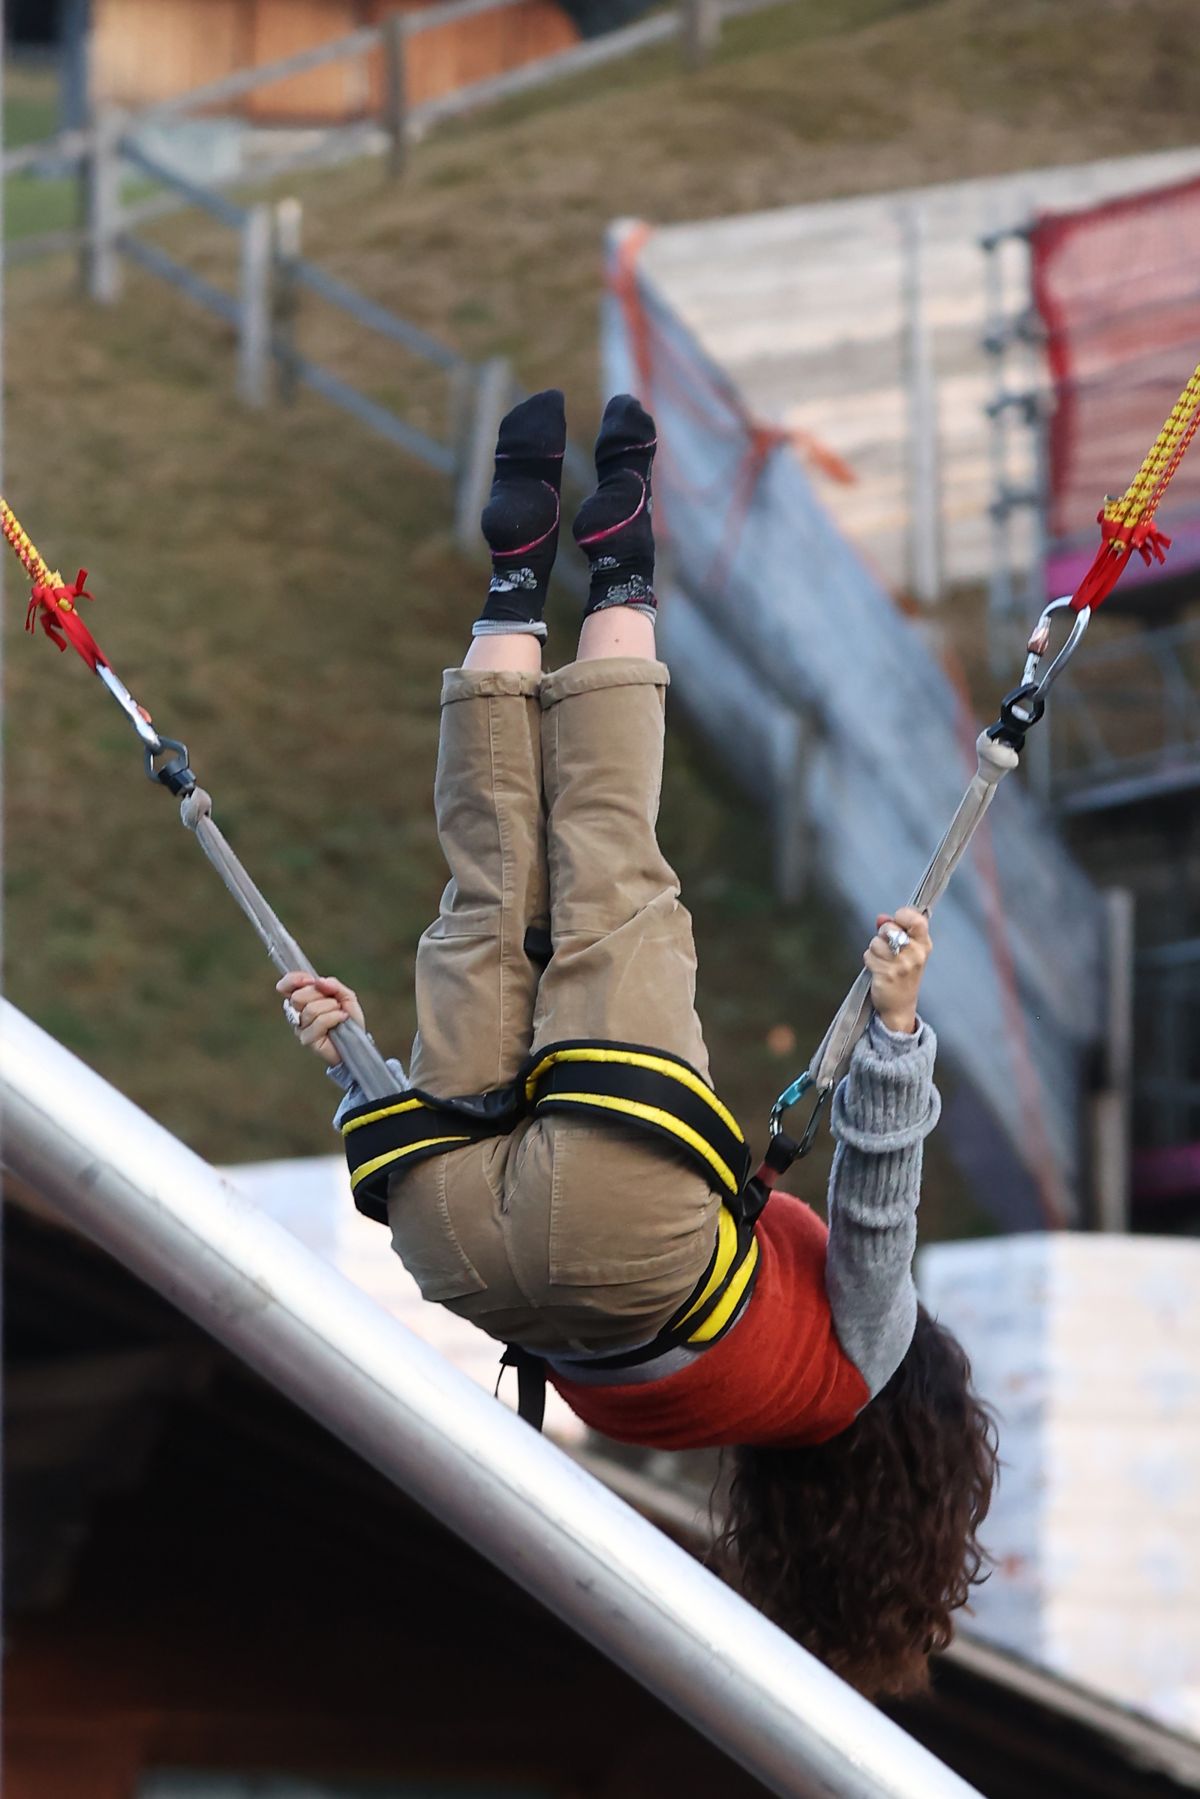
point(266, 310)
point(694, 24)
point(273, 278)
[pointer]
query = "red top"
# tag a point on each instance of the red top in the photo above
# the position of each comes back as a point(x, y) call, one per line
point(779, 1376)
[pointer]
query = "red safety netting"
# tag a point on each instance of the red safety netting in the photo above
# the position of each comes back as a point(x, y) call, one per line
point(1118, 291)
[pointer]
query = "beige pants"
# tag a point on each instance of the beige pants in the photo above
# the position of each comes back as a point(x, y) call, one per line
point(564, 1235)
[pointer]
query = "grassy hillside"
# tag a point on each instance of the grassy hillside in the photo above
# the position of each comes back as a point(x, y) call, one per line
point(282, 590)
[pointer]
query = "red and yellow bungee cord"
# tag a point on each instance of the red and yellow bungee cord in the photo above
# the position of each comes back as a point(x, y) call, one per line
point(52, 600)
point(55, 603)
point(1128, 524)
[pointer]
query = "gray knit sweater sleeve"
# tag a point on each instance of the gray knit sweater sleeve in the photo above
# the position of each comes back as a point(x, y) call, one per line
point(352, 1093)
point(882, 1112)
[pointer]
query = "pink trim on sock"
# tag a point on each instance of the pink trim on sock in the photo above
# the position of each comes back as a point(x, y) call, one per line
point(538, 541)
point(611, 530)
point(541, 456)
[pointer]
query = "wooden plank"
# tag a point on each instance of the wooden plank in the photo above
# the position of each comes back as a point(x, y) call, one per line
point(102, 199)
point(220, 93)
point(145, 51)
point(205, 294)
point(593, 54)
point(254, 306)
point(454, 44)
point(335, 91)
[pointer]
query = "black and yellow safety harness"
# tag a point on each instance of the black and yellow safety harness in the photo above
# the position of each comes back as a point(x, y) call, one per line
point(631, 1084)
point(637, 1086)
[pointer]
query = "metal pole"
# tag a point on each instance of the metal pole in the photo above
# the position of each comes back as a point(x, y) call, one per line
point(924, 471)
point(178, 1225)
point(1111, 1105)
point(1000, 583)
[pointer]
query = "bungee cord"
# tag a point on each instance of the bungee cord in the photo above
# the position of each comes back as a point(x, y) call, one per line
point(55, 603)
point(1126, 524)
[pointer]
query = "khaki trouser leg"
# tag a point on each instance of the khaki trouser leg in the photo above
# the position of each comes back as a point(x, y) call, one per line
point(624, 961)
point(476, 986)
point(564, 1235)
point(628, 1226)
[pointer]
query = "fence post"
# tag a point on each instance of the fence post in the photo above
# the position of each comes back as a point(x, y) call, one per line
point(1110, 1104)
point(493, 392)
point(924, 470)
point(285, 295)
point(395, 89)
point(700, 24)
point(254, 316)
point(101, 170)
point(793, 850)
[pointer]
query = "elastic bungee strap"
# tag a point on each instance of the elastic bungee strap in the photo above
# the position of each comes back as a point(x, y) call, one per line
point(1126, 524)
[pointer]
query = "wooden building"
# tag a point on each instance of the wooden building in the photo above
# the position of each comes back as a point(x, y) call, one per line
point(144, 51)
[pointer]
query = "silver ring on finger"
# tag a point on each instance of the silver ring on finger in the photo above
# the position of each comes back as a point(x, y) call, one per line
point(896, 939)
point(291, 1014)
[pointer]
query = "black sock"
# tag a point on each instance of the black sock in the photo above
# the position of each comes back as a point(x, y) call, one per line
point(520, 521)
point(613, 526)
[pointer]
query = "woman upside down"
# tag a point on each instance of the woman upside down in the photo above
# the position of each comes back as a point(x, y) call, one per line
point(862, 1461)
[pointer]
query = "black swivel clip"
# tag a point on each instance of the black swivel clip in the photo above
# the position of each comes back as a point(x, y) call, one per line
point(174, 774)
point(1020, 710)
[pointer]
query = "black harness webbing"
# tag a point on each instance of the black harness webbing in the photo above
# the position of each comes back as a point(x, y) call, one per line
point(621, 1083)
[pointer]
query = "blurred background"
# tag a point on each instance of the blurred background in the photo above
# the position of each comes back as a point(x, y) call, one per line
point(910, 285)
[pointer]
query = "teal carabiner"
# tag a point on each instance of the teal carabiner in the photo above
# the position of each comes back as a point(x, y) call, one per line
point(787, 1099)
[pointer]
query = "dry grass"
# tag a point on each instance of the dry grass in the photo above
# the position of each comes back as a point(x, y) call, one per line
point(284, 590)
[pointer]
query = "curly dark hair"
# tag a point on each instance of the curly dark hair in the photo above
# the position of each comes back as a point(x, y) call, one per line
point(862, 1547)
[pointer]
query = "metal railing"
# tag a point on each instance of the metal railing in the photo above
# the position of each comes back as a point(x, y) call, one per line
point(639, 1598)
point(1167, 1088)
point(1127, 727)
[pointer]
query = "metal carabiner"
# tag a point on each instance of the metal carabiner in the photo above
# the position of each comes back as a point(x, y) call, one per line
point(1039, 643)
point(787, 1099)
point(137, 717)
point(1025, 706)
